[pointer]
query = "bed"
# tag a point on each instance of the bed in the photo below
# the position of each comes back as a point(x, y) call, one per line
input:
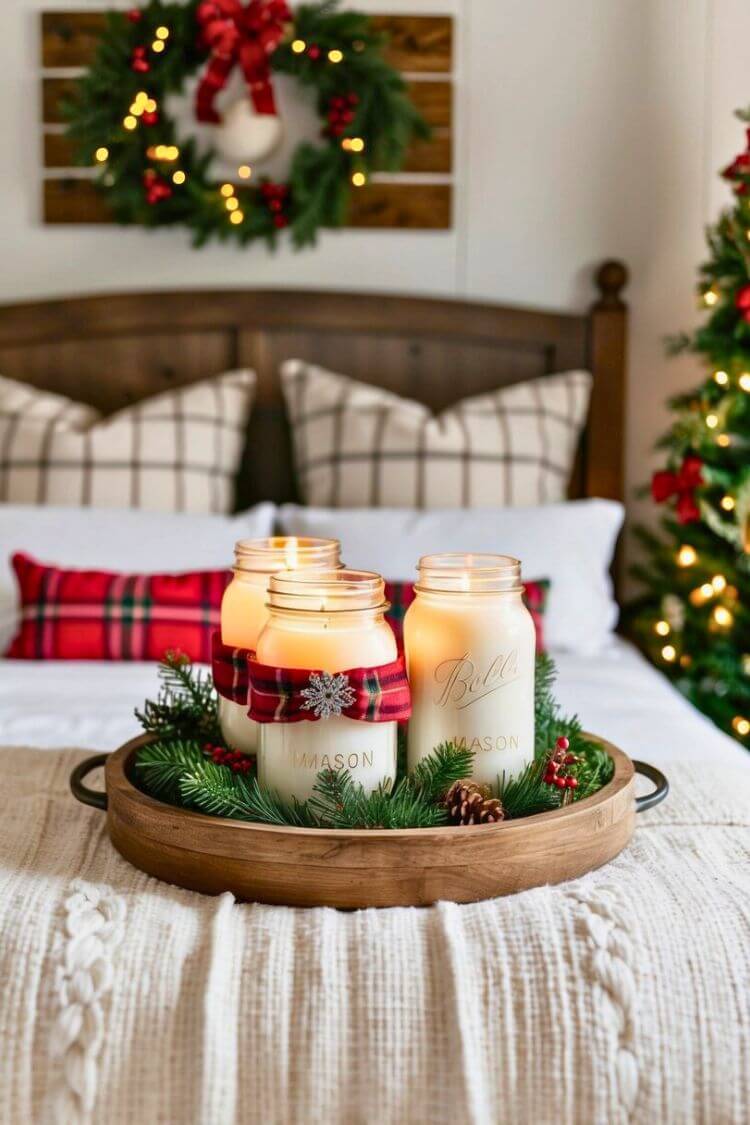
point(624, 996)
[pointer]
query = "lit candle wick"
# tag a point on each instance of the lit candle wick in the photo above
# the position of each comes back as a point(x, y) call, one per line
point(291, 554)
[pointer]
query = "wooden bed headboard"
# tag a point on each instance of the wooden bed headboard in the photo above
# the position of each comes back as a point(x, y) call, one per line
point(110, 351)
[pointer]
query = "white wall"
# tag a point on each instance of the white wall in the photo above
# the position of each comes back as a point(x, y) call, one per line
point(586, 129)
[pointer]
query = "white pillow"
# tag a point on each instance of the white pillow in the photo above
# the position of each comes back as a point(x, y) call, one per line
point(571, 544)
point(132, 541)
point(359, 446)
point(178, 451)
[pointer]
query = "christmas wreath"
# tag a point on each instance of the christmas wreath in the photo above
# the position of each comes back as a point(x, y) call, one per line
point(186, 764)
point(120, 118)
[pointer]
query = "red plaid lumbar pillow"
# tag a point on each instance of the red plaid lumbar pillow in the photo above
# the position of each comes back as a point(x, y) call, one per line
point(401, 595)
point(101, 615)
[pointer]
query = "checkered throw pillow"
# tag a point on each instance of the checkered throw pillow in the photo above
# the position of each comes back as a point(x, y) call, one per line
point(101, 615)
point(358, 446)
point(178, 451)
point(401, 595)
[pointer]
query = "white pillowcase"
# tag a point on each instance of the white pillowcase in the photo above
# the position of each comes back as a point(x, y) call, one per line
point(127, 540)
point(571, 544)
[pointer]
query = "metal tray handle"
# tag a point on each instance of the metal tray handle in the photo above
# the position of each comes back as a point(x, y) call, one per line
point(81, 792)
point(651, 800)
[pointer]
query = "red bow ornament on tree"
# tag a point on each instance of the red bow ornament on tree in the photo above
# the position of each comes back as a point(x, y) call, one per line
point(742, 302)
point(247, 36)
point(739, 169)
point(681, 484)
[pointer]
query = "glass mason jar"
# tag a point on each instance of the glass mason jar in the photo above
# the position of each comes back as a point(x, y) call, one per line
point(470, 650)
point(326, 623)
point(244, 609)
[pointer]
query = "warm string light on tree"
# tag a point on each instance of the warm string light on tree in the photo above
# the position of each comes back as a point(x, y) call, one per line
point(121, 123)
point(694, 615)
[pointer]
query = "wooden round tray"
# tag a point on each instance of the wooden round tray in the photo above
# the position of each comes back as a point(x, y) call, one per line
point(350, 870)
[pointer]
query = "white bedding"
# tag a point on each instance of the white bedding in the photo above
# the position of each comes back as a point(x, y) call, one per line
point(617, 694)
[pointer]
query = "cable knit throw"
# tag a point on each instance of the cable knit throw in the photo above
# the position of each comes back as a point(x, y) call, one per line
point(621, 997)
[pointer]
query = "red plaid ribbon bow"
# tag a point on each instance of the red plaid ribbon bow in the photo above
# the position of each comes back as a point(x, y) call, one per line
point(245, 35)
point(291, 695)
point(681, 484)
point(230, 670)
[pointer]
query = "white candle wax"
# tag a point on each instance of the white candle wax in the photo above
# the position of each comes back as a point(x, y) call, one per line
point(244, 610)
point(470, 649)
point(327, 623)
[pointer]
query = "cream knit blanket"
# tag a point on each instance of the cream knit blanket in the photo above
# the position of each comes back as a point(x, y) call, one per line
point(622, 997)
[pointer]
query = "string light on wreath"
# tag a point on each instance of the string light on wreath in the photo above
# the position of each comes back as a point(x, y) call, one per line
point(721, 378)
point(741, 725)
point(338, 60)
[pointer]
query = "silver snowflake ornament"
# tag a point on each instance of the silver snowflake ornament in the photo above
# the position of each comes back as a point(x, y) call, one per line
point(327, 695)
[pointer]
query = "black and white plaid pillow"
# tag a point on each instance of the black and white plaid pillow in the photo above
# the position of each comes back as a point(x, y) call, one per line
point(177, 451)
point(359, 446)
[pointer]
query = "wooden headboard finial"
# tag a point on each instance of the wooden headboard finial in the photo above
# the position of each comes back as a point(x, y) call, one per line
point(611, 278)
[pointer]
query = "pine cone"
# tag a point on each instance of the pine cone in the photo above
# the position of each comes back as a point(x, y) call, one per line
point(469, 803)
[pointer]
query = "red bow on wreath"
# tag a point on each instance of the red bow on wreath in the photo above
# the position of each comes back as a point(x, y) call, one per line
point(245, 35)
point(681, 484)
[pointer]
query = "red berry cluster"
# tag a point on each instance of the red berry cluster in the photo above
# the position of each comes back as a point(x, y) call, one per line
point(150, 118)
point(559, 759)
point(237, 762)
point(341, 113)
point(139, 63)
point(135, 15)
point(156, 187)
point(277, 198)
point(314, 52)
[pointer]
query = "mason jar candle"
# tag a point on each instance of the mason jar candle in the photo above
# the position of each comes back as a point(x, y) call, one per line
point(244, 609)
point(326, 624)
point(470, 651)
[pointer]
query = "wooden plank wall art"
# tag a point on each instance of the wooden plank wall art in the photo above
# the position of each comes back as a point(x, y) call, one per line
point(418, 197)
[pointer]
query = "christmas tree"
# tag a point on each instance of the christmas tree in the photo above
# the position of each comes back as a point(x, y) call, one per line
point(694, 620)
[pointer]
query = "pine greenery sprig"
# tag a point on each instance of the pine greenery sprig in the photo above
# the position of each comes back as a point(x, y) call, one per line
point(178, 768)
point(433, 776)
point(338, 802)
point(187, 705)
point(162, 765)
point(549, 722)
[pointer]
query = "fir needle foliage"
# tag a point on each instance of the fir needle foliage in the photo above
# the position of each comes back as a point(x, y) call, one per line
point(187, 705)
point(178, 769)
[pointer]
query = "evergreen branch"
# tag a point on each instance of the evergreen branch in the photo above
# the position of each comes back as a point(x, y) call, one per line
point(175, 768)
point(187, 705)
point(162, 765)
point(434, 775)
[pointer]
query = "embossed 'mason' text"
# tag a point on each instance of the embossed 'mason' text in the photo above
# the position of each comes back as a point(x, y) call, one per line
point(486, 742)
point(319, 762)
